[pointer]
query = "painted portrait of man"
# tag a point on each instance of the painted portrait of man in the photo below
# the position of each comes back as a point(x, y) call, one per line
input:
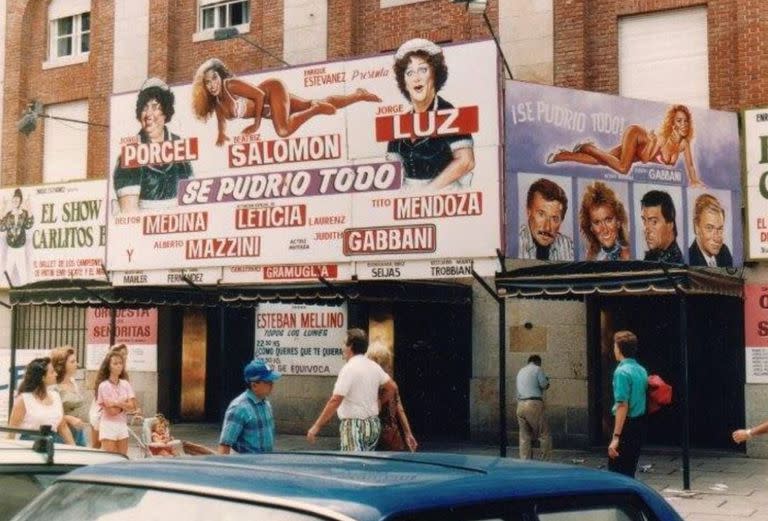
point(708, 247)
point(540, 233)
point(658, 216)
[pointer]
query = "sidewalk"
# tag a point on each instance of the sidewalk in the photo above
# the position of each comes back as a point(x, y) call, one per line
point(724, 487)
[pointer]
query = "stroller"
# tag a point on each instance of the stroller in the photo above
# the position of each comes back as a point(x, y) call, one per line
point(150, 449)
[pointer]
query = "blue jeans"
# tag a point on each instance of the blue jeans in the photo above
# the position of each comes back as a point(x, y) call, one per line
point(56, 437)
point(80, 438)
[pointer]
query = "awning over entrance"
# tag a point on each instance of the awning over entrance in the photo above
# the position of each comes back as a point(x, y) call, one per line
point(101, 293)
point(616, 277)
point(365, 291)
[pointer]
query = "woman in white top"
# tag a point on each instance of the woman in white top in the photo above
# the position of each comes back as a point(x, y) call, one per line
point(64, 362)
point(35, 405)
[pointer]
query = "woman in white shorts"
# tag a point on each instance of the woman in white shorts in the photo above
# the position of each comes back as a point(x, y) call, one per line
point(116, 398)
point(94, 413)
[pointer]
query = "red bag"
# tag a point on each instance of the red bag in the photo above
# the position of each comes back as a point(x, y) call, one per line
point(392, 437)
point(659, 393)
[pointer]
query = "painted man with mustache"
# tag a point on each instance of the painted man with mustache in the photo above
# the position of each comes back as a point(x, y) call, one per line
point(540, 237)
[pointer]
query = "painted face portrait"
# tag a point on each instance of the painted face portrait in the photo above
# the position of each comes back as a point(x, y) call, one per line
point(659, 233)
point(420, 81)
point(709, 232)
point(153, 118)
point(544, 219)
point(212, 82)
point(604, 225)
point(681, 124)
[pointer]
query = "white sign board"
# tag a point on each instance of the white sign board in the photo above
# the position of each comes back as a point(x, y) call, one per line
point(755, 143)
point(53, 232)
point(299, 339)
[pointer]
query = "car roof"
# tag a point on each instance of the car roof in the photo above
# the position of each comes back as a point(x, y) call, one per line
point(352, 484)
point(20, 452)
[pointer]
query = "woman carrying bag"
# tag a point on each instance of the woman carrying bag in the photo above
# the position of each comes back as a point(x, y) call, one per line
point(396, 432)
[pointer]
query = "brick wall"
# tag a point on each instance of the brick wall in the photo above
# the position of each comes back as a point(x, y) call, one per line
point(360, 27)
point(355, 27)
point(586, 46)
point(26, 50)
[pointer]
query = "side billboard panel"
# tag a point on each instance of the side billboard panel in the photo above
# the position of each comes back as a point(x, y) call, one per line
point(755, 132)
point(52, 232)
point(597, 177)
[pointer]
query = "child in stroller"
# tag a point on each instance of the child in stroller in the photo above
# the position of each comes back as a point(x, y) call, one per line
point(157, 440)
point(161, 442)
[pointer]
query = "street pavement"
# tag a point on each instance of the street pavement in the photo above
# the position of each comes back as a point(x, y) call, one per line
point(724, 486)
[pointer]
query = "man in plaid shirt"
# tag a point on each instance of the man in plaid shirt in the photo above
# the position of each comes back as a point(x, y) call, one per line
point(249, 426)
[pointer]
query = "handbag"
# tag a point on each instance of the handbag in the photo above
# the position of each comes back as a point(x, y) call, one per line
point(392, 437)
point(659, 393)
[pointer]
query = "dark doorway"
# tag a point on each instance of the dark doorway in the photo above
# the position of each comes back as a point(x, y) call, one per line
point(716, 364)
point(225, 350)
point(433, 366)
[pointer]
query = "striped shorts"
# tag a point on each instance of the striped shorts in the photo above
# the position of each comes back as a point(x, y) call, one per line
point(359, 435)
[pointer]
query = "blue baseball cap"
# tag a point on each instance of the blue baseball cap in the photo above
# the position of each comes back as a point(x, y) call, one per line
point(259, 371)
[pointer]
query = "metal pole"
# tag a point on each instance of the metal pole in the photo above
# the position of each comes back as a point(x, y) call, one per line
point(498, 45)
point(112, 325)
point(12, 380)
point(686, 442)
point(70, 120)
point(223, 396)
point(683, 343)
point(502, 364)
point(502, 378)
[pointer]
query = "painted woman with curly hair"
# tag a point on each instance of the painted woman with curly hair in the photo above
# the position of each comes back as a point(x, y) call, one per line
point(436, 162)
point(644, 146)
point(215, 90)
point(604, 224)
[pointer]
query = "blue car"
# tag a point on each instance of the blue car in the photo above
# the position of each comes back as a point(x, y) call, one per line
point(325, 486)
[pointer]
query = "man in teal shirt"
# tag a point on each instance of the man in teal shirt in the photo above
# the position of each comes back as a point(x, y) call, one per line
point(630, 385)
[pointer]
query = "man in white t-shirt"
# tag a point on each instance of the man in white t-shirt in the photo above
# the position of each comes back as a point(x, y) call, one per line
point(356, 397)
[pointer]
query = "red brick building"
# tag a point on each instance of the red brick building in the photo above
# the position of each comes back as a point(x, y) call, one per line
point(73, 55)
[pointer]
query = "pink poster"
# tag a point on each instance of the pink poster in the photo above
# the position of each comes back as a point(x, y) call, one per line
point(756, 332)
point(136, 328)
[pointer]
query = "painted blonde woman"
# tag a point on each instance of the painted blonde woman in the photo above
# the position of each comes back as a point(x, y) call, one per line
point(639, 145)
point(215, 90)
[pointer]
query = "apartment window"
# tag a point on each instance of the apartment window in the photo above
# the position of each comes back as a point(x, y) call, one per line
point(218, 14)
point(69, 23)
point(224, 14)
point(71, 35)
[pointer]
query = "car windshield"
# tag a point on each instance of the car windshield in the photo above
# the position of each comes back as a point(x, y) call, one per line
point(90, 502)
point(19, 489)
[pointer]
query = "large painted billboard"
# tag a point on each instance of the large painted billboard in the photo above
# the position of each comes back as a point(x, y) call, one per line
point(755, 131)
point(52, 232)
point(597, 177)
point(330, 168)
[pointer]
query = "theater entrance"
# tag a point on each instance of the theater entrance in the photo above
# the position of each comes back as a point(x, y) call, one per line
point(715, 364)
point(431, 344)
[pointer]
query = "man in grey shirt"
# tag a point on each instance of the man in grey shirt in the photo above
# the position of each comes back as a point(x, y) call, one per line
point(532, 422)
